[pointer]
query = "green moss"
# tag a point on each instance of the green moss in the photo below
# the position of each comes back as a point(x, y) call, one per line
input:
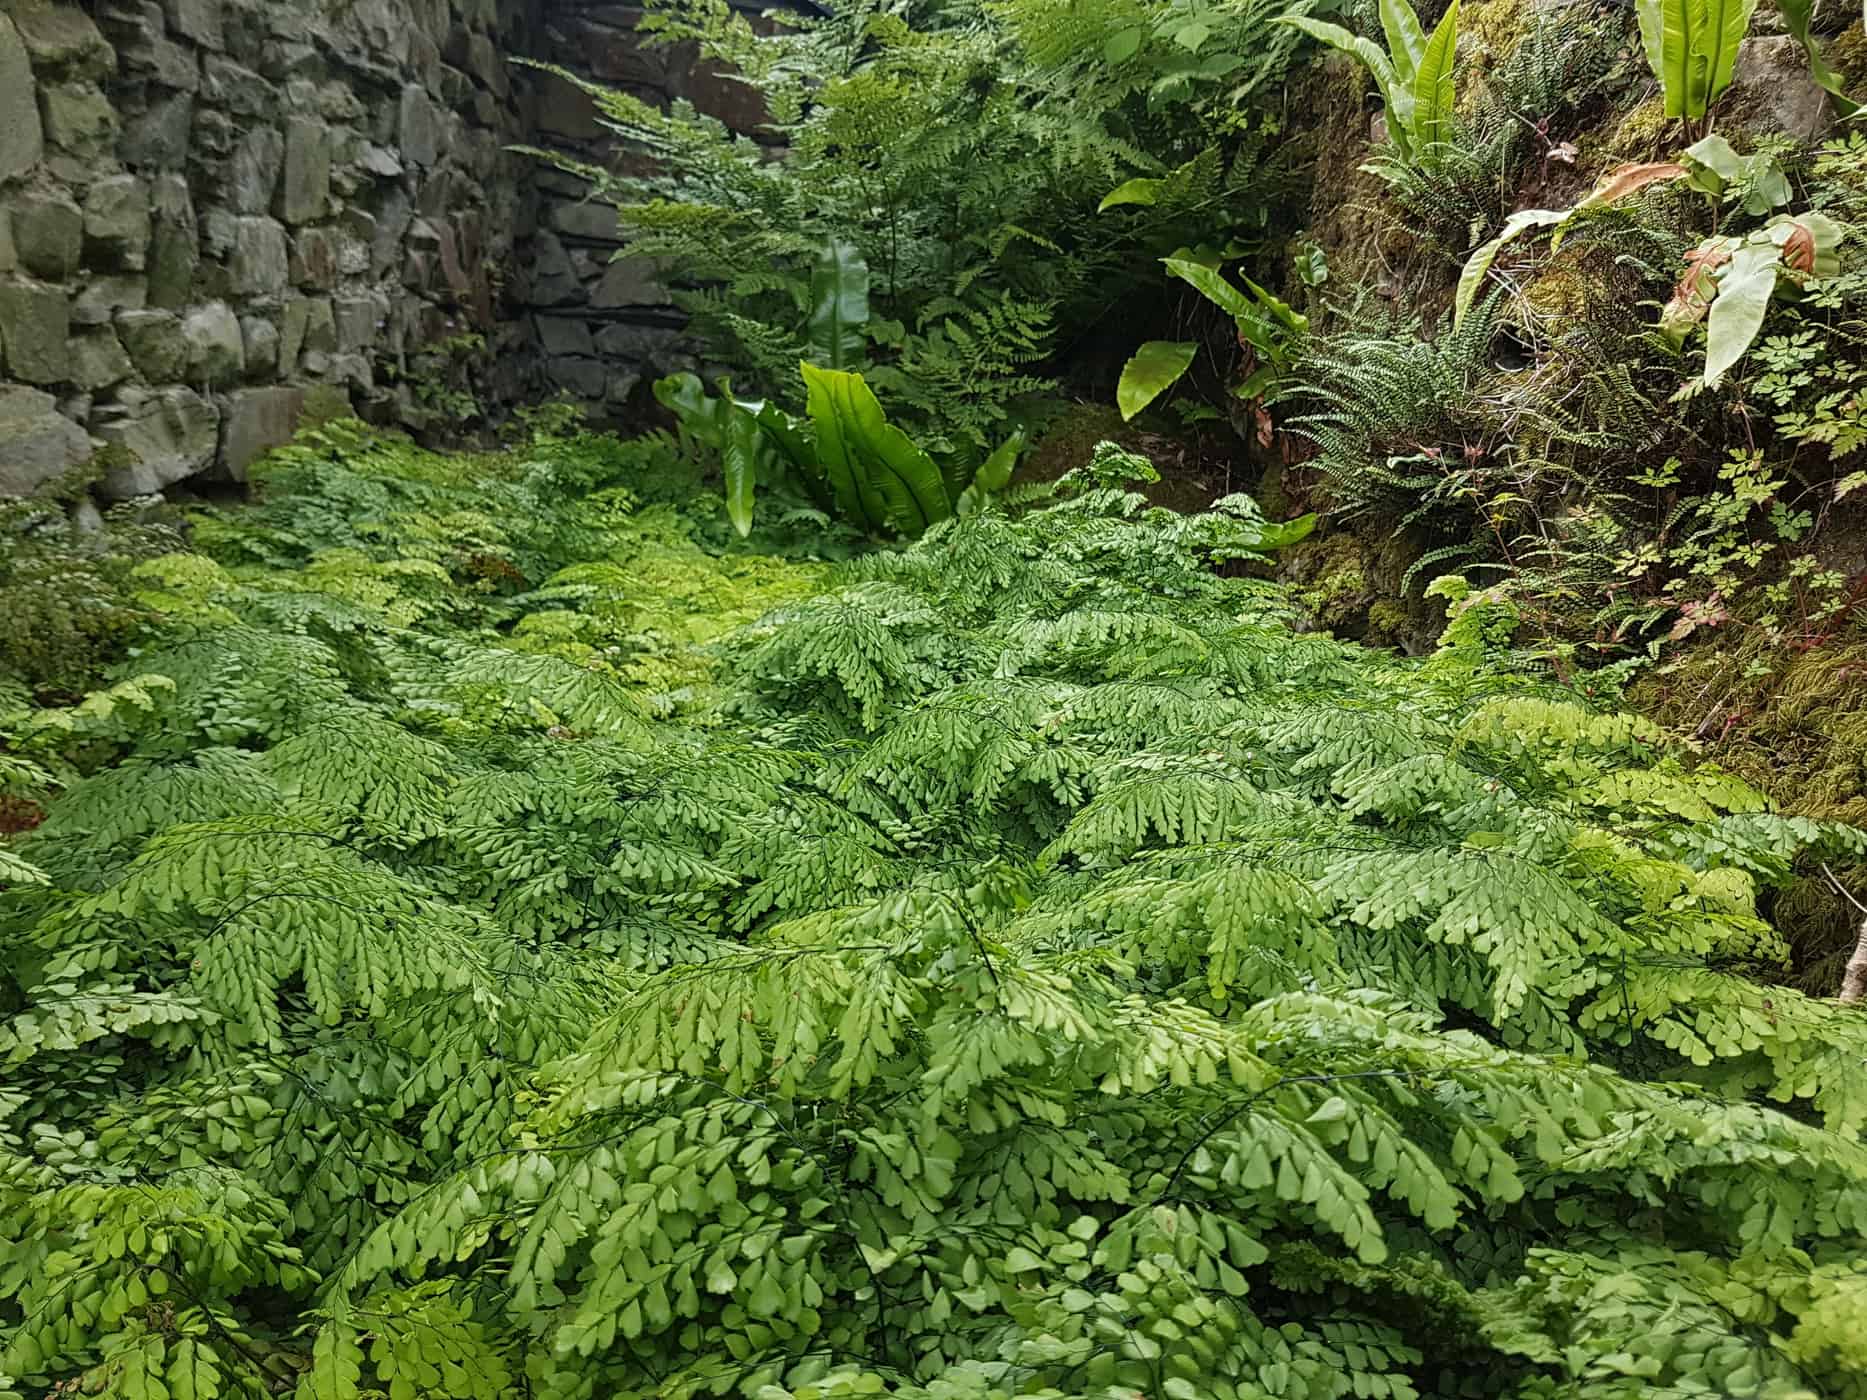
point(1389, 624)
point(1497, 27)
point(1331, 579)
point(1847, 55)
point(1640, 132)
point(1558, 292)
point(1794, 724)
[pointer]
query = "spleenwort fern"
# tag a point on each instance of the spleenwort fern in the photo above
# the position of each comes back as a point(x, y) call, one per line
point(1010, 965)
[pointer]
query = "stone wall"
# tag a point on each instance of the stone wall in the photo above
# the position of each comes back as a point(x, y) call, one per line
point(215, 211)
point(602, 322)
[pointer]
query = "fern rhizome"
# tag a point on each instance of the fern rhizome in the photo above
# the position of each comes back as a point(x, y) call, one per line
point(495, 937)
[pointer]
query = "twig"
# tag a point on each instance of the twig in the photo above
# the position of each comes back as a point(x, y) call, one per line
point(1854, 975)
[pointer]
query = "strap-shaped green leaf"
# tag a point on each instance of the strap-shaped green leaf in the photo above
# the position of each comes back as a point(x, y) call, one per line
point(1726, 24)
point(869, 459)
point(1208, 282)
point(1406, 40)
point(993, 476)
point(1282, 310)
point(739, 459)
point(1478, 265)
point(1140, 190)
point(1796, 17)
point(1744, 289)
point(1396, 95)
point(839, 306)
point(1664, 34)
point(1150, 372)
point(1433, 85)
point(1254, 327)
point(1692, 46)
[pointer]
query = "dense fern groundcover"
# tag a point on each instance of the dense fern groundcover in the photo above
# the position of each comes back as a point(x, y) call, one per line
point(501, 936)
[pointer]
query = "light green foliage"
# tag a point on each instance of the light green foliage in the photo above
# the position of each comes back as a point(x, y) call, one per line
point(845, 454)
point(1616, 185)
point(1730, 281)
point(1012, 965)
point(1391, 407)
point(66, 608)
point(1415, 75)
point(1530, 80)
point(1267, 328)
point(1691, 45)
point(1566, 463)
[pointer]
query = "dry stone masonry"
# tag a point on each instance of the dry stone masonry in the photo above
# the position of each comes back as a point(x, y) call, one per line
point(602, 322)
point(215, 211)
point(217, 215)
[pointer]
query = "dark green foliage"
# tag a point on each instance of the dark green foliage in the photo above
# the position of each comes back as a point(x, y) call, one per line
point(1013, 965)
point(957, 154)
point(1525, 114)
point(1400, 422)
point(64, 610)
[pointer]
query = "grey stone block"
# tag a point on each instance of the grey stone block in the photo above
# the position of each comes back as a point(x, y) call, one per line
point(155, 343)
point(116, 223)
point(103, 297)
point(35, 329)
point(565, 335)
point(97, 359)
point(78, 119)
point(631, 281)
point(554, 281)
point(359, 321)
point(198, 20)
point(257, 265)
point(216, 349)
point(256, 421)
point(593, 222)
point(261, 339)
point(314, 259)
point(238, 88)
point(168, 434)
point(64, 42)
point(306, 188)
point(293, 322)
point(252, 174)
point(320, 325)
point(1771, 90)
point(48, 234)
point(173, 255)
point(161, 137)
point(22, 138)
point(587, 379)
point(418, 127)
point(145, 50)
point(37, 443)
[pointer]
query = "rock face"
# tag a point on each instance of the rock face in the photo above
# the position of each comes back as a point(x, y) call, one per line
point(22, 139)
point(213, 212)
point(1771, 90)
point(37, 442)
point(601, 305)
point(177, 175)
point(161, 437)
point(257, 421)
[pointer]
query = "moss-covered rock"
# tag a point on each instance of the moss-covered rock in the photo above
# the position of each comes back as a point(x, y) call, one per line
point(1638, 134)
point(1794, 723)
point(1494, 28)
point(1847, 56)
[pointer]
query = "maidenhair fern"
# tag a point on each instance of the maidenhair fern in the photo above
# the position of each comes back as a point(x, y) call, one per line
point(1011, 965)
